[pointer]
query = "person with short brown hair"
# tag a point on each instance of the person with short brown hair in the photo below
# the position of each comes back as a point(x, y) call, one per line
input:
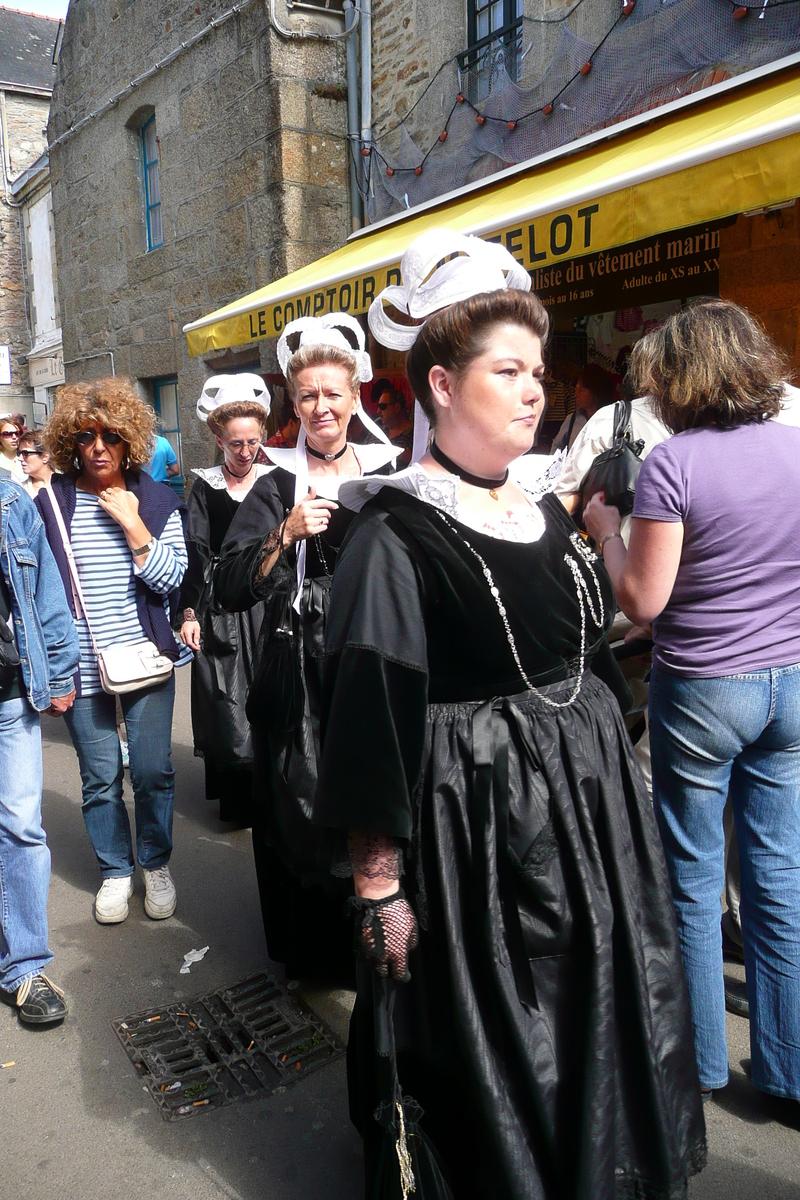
point(35, 461)
point(594, 389)
point(713, 563)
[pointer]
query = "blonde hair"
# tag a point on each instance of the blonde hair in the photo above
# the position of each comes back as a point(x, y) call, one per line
point(317, 356)
point(711, 364)
point(112, 403)
point(236, 410)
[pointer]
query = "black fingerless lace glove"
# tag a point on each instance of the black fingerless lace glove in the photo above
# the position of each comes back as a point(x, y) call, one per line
point(385, 932)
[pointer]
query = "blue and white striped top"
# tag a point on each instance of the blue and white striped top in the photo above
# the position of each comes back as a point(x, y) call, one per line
point(107, 573)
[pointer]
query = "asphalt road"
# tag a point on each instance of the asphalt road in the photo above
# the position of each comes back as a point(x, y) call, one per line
point(75, 1122)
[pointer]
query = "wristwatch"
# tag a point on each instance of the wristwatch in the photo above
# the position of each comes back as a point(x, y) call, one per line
point(145, 549)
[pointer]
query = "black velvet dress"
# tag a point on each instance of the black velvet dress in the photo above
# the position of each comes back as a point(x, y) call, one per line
point(223, 670)
point(545, 1030)
point(304, 908)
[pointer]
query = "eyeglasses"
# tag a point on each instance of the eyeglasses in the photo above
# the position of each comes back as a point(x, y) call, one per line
point(251, 444)
point(10, 433)
point(107, 436)
point(28, 453)
point(383, 406)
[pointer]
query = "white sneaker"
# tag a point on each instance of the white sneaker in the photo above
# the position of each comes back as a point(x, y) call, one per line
point(160, 898)
point(111, 902)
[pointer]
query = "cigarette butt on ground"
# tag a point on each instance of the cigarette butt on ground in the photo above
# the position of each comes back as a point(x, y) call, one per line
point(4, 1065)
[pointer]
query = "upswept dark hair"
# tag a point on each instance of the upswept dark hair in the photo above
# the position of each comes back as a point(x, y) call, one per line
point(710, 364)
point(218, 419)
point(456, 336)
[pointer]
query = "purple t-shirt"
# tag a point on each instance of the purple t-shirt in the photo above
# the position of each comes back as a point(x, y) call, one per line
point(735, 606)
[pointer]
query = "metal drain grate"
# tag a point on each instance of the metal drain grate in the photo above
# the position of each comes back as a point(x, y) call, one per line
point(240, 1042)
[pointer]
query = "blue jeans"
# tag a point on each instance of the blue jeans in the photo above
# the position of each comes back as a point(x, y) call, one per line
point(708, 737)
point(92, 725)
point(24, 856)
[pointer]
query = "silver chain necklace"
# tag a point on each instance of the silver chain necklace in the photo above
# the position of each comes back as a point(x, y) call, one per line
point(318, 544)
point(582, 589)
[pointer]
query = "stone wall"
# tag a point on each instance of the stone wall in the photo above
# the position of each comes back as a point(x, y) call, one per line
point(759, 267)
point(253, 172)
point(25, 121)
point(413, 38)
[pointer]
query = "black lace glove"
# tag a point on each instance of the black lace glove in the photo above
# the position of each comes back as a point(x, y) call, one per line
point(385, 932)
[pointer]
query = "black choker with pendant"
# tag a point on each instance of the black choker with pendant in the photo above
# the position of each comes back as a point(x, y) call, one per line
point(326, 457)
point(491, 485)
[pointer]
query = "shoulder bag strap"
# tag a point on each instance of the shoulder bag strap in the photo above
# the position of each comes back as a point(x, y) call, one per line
point(77, 590)
point(622, 421)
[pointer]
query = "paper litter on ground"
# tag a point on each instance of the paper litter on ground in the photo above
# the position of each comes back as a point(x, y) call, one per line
point(192, 957)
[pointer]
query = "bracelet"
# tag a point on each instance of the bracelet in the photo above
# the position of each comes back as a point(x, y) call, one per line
point(608, 537)
point(358, 904)
point(145, 549)
point(189, 614)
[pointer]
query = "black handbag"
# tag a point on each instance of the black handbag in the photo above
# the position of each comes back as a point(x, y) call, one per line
point(276, 698)
point(407, 1161)
point(615, 471)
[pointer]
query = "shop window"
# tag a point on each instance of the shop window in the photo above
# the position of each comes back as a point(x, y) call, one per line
point(494, 32)
point(165, 402)
point(152, 184)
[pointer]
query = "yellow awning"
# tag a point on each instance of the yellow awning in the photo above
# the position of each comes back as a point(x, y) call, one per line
point(736, 152)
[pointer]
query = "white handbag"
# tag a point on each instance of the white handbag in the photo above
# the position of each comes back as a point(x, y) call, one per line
point(122, 668)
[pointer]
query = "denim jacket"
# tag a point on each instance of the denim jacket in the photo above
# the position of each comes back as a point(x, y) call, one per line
point(45, 631)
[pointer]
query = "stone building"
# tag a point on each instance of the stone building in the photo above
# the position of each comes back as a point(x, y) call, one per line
point(26, 81)
point(221, 167)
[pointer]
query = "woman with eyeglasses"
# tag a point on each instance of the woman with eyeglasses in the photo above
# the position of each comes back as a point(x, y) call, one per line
point(35, 462)
point(10, 432)
point(126, 536)
point(236, 408)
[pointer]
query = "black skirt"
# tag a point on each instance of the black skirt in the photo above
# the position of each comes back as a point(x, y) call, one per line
point(545, 1031)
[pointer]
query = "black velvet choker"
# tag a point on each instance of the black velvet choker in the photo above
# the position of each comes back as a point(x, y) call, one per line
point(491, 485)
point(327, 457)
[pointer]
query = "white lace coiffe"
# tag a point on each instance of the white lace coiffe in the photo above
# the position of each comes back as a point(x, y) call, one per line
point(433, 279)
point(232, 389)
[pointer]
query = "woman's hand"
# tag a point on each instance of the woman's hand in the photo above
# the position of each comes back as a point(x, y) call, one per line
point(308, 517)
point(120, 504)
point(600, 520)
point(190, 635)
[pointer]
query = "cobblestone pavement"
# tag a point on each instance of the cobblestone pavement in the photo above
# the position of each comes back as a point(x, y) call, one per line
point(75, 1120)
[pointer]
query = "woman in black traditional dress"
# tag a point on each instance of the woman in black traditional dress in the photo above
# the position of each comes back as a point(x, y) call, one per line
point(281, 549)
point(236, 409)
point(544, 1029)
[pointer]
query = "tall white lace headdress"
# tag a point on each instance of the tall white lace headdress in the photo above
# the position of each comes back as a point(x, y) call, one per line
point(438, 269)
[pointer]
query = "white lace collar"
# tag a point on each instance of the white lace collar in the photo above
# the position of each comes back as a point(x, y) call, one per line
point(215, 479)
point(371, 455)
point(536, 474)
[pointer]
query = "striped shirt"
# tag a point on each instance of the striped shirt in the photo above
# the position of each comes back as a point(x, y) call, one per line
point(108, 580)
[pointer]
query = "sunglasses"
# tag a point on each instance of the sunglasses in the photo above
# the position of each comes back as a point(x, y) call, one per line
point(28, 453)
point(107, 437)
point(383, 406)
point(10, 433)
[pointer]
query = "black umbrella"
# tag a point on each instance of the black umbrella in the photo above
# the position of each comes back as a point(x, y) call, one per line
point(407, 1162)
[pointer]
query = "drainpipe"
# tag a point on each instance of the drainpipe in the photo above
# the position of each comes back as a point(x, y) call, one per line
point(350, 19)
point(366, 83)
